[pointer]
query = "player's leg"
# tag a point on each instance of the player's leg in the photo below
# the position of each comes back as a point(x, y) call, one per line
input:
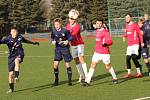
point(11, 81)
point(128, 62)
point(17, 68)
point(134, 57)
point(57, 59)
point(68, 58)
point(81, 58)
point(56, 73)
point(95, 60)
point(108, 66)
point(145, 55)
point(69, 73)
point(11, 66)
point(77, 62)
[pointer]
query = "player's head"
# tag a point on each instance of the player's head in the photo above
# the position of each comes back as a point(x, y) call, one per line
point(128, 18)
point(14, 31)
point(57, 23)
point(140, 22)
point(99, 23)
point(146, 16)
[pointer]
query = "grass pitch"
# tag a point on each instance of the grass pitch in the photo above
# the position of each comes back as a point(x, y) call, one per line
point(36, 76)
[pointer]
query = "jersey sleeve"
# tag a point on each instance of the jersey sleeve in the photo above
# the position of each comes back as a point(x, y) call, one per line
point(26, 41)
point(52, 36)
point(108, 38)
point(69, 36)
point(4, 40)
point(139, 32)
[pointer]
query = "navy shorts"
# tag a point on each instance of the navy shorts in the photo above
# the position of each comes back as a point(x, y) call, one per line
point(145, 52)
point(11, 62)
point(63, 53)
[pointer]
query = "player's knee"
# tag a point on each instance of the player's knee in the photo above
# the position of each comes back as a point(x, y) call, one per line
point(77, 60)
point(17, 60)
point(93, 65)
point(146, 61)
point(108, 66)
point(134, 57)
point(128, 58)
point(56, 63)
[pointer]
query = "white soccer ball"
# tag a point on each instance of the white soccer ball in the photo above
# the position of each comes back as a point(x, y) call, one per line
point(74, 14)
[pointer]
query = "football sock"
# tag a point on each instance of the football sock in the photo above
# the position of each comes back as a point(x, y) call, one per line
point(112, 72)
point(11, 86)
point(80, 70)
point(56, 72)
point(89, 75)
point(69, 72)
point(129, 71)
point(148, 66)
point(84, 69)
point(138, 70)
point(16, 74)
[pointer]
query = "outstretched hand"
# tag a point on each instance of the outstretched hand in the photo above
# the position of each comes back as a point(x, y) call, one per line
point(36, 43)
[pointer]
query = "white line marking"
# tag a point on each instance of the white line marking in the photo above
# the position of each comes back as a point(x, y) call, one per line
point(53, 55)
point(144, 98)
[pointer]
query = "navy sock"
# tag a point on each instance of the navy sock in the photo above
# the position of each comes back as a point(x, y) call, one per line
point(11, 86)
point(16, 74)
point(69, 72)
point(148, 66)
point(56, 72)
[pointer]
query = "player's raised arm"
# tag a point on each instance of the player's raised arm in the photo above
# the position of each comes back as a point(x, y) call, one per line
point(3, 40)
point(30, 42)
point(108, 39)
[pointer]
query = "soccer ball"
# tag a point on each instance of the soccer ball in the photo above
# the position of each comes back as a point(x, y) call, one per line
point(74, 14)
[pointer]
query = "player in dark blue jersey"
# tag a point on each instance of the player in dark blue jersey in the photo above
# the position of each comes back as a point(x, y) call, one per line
point(145, 27)
point(61, 37)
point(16, 54)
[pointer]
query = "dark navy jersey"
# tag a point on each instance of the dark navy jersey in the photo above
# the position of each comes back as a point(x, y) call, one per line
point(14, 45)
point(146, 30)
point(61, 35)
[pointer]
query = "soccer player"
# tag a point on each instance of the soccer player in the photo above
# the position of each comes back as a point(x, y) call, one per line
point(61, 38)
point(145, 27)
point(77, 47)
point(102, 53)
point(16, 54)
point(135, 39)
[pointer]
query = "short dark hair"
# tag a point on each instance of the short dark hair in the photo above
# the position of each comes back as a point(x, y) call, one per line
point(129, 14)
point(57, 20)
point(15, 28)
point(100, 19)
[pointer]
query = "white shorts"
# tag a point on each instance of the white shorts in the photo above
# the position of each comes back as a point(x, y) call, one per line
point(101, 57)
point(77, 50)
point(134, 49)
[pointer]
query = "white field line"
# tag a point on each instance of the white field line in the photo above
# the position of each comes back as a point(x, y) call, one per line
point(53, 55)
point(144, 98)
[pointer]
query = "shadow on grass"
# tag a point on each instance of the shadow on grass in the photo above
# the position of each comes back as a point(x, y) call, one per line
point(43, 87)
point(120, 80)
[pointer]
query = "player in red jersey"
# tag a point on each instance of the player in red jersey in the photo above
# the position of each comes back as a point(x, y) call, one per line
point(135, 39)
point(102, 53)
point(77, 47)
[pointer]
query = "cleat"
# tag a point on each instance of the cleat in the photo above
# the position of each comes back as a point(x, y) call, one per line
point(81, 78)
point(9, 91)
point(86, 84)
point(138, 75)
point(115, 81)
point(127, 76)
point(56, 83)
point(70, 83)
point(148, 73)
point(16, 80)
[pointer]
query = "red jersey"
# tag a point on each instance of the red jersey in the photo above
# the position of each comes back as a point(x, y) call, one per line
point(133, 34)
point(102, 37)
point(75, 32)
